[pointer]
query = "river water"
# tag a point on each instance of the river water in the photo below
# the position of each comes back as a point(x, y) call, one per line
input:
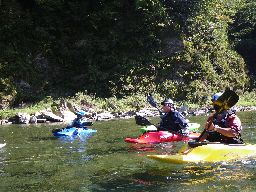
point(34, 160)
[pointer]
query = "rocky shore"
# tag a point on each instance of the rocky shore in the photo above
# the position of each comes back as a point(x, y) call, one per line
point(66, 113)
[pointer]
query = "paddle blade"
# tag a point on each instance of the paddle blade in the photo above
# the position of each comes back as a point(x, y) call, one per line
point(142, 120)
point(151, 100)
point(227, 100)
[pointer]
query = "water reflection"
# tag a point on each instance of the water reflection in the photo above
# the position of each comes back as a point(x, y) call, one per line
point(142, 147)
point(70, 139)
point(201, 177)
point(160, 148)
point(34, 160)
point(75, 147)
point(2, 159)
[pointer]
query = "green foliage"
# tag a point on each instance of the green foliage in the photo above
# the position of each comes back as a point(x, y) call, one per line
point(213, 65)
point(247, 99)
point(30, 109)
point(242, 34)
point(113, 104)
point(7, 92)
point(169, 89)
point(129, 103)
point(244, 23)
point(116, 49)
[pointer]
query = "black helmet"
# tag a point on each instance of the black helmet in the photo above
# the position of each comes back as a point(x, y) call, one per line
point(167, 101)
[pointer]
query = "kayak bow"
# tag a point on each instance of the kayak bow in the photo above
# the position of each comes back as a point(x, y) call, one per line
point(210, 153)
point(191, 127)
point(161, 136)
point(72, 131)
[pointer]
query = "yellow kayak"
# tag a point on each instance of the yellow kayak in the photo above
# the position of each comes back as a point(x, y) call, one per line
point(210, 153)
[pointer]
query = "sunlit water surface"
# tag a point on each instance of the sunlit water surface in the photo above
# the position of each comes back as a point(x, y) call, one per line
point(34, 160)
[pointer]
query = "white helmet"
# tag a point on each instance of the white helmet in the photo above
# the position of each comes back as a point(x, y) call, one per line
point(167, 101)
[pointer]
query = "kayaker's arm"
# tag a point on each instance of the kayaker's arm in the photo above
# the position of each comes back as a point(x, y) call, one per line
point(228, 132)
point(207, 125)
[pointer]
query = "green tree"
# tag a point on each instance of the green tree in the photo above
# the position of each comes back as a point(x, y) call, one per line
point(208, 63)
point(242, 34)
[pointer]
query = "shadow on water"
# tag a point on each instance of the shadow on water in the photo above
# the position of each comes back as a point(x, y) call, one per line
point(78, 138)
point(192, 177)
point(51, 138)
point(81, 138)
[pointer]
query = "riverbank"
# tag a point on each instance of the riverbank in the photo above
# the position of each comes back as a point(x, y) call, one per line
point(66, 115)
point(63, 109)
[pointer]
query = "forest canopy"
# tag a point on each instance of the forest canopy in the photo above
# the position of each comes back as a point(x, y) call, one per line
point(183, 49)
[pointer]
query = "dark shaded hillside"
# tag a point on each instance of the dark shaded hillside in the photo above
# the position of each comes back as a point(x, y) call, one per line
point(114, 48)
point(243, 36)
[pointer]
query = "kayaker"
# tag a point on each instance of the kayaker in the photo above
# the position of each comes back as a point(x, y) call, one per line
point(223, 125)
point(172, 120)
point(81, 120)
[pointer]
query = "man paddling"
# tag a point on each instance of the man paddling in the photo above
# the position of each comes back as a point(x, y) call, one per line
point(222, 126)
point(81, 120)
point(172, 119)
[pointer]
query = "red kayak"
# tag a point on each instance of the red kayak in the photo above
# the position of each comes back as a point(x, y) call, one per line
point(161, 136)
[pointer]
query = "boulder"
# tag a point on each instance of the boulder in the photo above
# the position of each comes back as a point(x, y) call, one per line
point(68, 116)
point(50, 116)
point(22, 118)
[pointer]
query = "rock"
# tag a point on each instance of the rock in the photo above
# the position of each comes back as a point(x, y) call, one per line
point(33, 119)
point(41, 120)
point(22, 118)
point(199, 112)
point(104, 116)
point(145, 113)
point(51, 116)
point(68, 116)
point(4, 122)
point(71, 107)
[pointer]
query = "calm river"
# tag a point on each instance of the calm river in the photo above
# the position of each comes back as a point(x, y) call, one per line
point(33, 160)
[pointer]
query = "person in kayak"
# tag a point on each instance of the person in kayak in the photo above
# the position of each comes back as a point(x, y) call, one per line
point(223, 125)
point(81, 120)
point(172, 120)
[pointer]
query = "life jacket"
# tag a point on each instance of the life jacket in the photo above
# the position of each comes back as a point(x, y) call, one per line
point(222, 121)
point(79, 123)
point(173, 121)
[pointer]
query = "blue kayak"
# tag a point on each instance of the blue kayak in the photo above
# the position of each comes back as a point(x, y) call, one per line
point(72, 131)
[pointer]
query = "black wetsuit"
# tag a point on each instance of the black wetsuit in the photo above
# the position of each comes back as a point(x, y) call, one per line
point(173, 121)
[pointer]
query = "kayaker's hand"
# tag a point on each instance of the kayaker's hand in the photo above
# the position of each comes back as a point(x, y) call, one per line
point(209, 126)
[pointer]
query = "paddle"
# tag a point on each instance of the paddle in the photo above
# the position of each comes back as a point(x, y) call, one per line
point(227, 100)
point(143, 121)
point(153, 103)
point(194, 144)
point(88, 123)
